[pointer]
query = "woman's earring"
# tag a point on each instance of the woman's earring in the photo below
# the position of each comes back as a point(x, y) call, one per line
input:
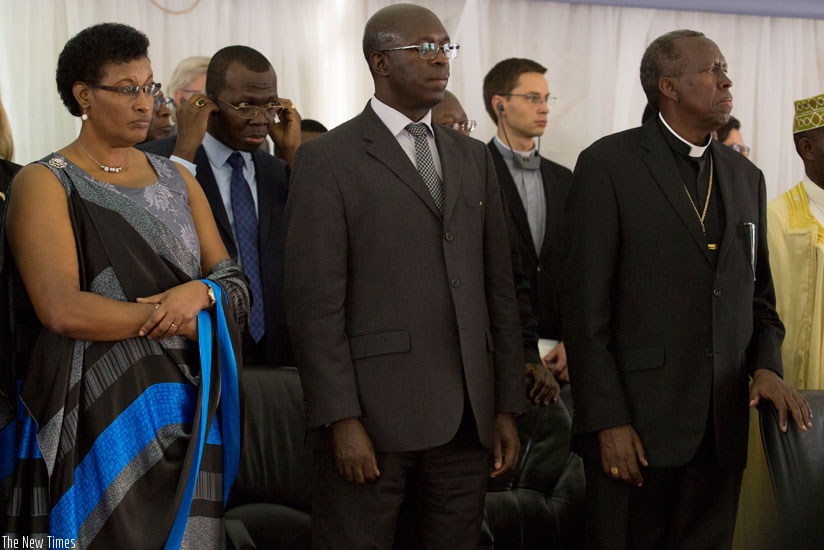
point(84, 116)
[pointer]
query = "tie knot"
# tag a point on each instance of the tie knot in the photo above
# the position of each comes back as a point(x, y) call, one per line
point(417, 129)
point(236, 161)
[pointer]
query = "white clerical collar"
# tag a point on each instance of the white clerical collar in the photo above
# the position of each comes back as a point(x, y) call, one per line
point(696, 151)
point(395, 120)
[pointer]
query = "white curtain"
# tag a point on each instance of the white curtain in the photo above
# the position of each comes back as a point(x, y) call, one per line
point(592, 54)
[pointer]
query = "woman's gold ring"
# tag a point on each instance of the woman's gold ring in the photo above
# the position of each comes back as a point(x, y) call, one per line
point(200, 102)
point(613, 471)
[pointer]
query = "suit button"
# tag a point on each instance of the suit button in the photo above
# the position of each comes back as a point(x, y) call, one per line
point(708, 352)
point(455, 282)
point(716, 292)
point(449, 237)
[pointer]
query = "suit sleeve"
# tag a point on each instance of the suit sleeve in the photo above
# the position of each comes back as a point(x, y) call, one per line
point(590, 258)
point(315, 288)
point(764, 350)
point(501, 301)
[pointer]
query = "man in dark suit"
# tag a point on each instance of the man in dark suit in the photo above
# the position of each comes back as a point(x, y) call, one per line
point(516, 96)
point(232, 121)
point(401, 305)
point(668, 306)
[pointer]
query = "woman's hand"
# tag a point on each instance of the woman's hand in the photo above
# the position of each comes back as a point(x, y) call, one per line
point(175, 311)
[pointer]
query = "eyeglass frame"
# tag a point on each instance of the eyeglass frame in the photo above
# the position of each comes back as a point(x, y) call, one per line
point(469, 126)
point(534, 98)
point(743, 149)
point(161, 100)
point(446, 47)
point(131, 91)
point(257, 109)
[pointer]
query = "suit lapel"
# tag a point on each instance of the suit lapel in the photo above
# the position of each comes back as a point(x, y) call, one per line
point(659, 159)
point(265, 192)
point(513, 198)
point(207, 181)
point(383, 146)
point(554, 205)
point(727, 186)
point(450, 169)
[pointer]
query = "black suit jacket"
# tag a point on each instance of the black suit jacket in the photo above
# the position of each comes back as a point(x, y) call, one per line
point(542, 269)
point(396, 311)
point(655, 335)
point(272, 184)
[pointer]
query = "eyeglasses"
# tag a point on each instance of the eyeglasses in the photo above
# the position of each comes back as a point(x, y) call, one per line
point(429, 50)
point(131, 91)
point(464, 127)
point(160, 101)
point(248, 112)
point(536, 98)
point(743, 149)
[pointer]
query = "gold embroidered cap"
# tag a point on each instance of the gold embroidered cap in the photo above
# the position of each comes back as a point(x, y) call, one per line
point(809, 114)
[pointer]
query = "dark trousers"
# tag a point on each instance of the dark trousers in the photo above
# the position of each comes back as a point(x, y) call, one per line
point(449, 487)
point(690, 507)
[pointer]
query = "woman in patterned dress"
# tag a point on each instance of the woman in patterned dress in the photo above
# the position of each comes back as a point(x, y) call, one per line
point(126, 318)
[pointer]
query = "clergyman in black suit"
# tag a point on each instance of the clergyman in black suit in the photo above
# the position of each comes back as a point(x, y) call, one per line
point(401, 305)
point(669, 309)
point(232, 121)
point(516, 96)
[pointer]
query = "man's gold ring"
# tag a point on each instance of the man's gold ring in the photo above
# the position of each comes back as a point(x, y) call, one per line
point(200, 102)
point(292, 106)
point(613, 470)
point(175, 327)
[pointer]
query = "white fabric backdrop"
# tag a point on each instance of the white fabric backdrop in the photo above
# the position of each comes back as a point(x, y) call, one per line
point(592, 53)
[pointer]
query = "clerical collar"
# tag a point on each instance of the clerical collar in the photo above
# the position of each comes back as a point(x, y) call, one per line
point(695, 151)
point(527, 160)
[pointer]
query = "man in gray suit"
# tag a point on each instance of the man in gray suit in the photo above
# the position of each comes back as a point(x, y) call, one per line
point(401, 305)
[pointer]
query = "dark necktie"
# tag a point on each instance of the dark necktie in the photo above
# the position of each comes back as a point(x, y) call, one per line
point(425, 164)
point(246, 225)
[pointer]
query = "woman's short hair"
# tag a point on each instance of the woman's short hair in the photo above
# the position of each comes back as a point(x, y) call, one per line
point(86, 54)
point(6, 141)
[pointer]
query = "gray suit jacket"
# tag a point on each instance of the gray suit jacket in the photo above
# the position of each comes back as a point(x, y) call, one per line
point(392, 308)
point(656, 336)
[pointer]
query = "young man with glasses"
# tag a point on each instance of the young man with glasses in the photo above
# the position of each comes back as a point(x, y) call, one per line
point(401, 306)
point(516, 96)
point(219, 140)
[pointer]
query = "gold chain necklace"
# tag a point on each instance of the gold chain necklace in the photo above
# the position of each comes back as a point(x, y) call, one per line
point(702, 215)
point(110, 169)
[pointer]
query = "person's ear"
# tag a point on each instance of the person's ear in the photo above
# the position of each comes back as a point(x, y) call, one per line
point(806, 149)
point(81, 92)
point(379, 62)
point(668, 88)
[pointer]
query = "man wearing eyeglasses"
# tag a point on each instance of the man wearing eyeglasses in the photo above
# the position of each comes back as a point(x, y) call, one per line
point(401, 305)
point(161, 125)
point(516, 96)
point(219, 140)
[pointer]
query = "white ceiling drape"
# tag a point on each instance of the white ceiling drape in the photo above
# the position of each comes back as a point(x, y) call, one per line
point(592, 54)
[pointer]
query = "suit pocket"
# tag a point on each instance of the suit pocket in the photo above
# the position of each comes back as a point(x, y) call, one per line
point(636, 359)
point(379, 343)
point(490, 343)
